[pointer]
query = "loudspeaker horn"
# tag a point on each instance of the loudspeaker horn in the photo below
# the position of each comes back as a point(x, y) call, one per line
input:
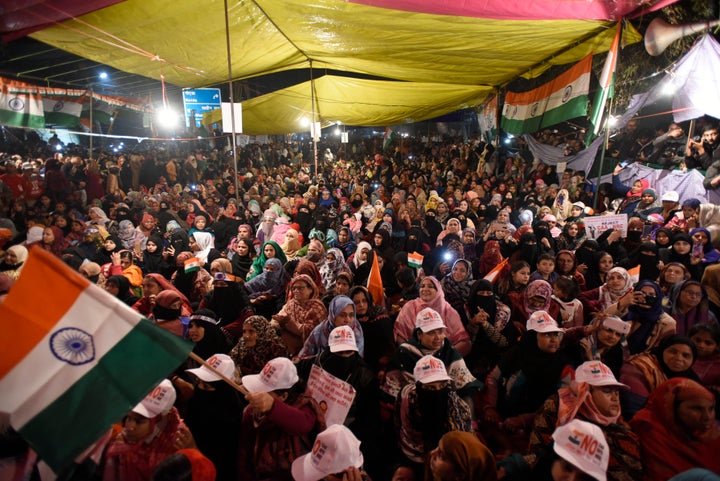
point(660, 34)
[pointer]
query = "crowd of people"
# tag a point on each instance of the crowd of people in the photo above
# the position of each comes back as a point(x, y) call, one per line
point(484, 332)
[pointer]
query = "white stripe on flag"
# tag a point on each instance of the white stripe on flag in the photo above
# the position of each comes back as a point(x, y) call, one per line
point(41, 377)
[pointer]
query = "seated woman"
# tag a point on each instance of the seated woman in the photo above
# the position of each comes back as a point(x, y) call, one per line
point(152, 285)
point(603, 343)
point(526, 376)
point(677, 430)
point(428, 409)
point(456, 287)
point(203, 246)
point(433, 297)
point(377, 328)
point(267, 291)
point(707, 339)
point(300, 314)
point(278, 424)
point(536, 298)
point(230, 301)
point(594, 397)
point(689, 306)
point(119, 286)
point(341, 312)
point(670, 274)
point(488, 327)
point(429, 339)
point(259, 344)
point(566, 264)
point(461, 456)
point(269, 250)
point(151, 432)
point(643, 307)
point(644, 372)
point(617, 283)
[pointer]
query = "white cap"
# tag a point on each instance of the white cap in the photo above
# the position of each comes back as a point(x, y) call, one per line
point(616, 324)
point(428, 320)
point(541, 321)
point(342, 338)
point(159, 401)
point(278, 373)
point(430, 369)
point(221, 363)
point(583, 445)
point(581, 205)
point(335, 450)
point(596, 373)
point(670, 196)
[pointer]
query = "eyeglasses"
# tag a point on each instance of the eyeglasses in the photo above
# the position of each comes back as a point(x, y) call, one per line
point(693, 293)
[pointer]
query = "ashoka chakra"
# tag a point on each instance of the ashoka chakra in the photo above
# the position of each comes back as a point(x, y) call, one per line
point(73, 345)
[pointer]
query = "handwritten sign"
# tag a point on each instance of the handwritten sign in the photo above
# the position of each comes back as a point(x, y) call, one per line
point(334, 395)
point(596, 225)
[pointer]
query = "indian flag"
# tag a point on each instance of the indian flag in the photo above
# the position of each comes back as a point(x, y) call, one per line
point(77, 362)
point(415, 260)
point(606, 87)
point(62, 110)
point(20, 109)
point(375, 283)
point(563, 98)
point(494, 275)
point(193, 264)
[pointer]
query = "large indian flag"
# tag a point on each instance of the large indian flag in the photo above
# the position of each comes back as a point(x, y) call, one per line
point(563, 98)
point(20, 108)
point(74, 359)
point(62, 110)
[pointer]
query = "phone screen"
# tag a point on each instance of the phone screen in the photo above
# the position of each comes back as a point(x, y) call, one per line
point(647, 231)
point(697, 250)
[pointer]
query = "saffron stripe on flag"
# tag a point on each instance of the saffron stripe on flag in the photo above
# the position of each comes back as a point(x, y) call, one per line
point(83, 413)
point(130, 357)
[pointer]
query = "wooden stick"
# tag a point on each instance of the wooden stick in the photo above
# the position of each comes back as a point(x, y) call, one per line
point(202, 361)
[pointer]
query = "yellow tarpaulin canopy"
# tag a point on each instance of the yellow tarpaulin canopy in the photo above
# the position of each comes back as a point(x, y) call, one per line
point(185, 41)
point(354, 102)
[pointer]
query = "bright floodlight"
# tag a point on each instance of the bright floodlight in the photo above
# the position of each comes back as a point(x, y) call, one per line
point(304, 122)
point(669, 88)
point(103, 75)
point(337, 130)
point(58, 147)
point(166, 118)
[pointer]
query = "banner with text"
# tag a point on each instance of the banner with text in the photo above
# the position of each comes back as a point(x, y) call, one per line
point(334, 395)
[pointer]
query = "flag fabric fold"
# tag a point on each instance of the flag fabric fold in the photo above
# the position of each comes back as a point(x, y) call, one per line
point(375, 283)
point(415, 260)
point(62, 111)
point(606, 87)
point(563, 98)
point(494, 275)
point(76, 362)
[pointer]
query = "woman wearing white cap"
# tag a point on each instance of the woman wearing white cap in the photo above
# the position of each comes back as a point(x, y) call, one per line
point(277, 424)
point(151, 432)
point(594, 396)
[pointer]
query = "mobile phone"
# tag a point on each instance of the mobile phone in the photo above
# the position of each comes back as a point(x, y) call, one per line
point(697, 250)
point(650, 299)
point(624, 163)
point(647, 231)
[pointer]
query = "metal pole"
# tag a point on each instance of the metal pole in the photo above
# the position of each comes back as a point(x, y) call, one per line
point(91, 125)
point(602, 155)
point(232, 102)
point(312, 125)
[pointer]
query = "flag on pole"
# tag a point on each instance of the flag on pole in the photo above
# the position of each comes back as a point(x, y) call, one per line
point(20, 108)
point(563, 98)
point(388, 138)
point(606, 87)
point(375, 284)
point(193, 264)
point(77, 362)
point(415, 260)
point(62, 110)
point(494, 275)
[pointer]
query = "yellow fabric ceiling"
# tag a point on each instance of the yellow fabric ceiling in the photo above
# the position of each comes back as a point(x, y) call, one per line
point(185, 41)
point(353, 102)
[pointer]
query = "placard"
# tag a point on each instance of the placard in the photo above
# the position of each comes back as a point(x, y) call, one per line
point(334, 395)
point(597, 224)
point(198, 101)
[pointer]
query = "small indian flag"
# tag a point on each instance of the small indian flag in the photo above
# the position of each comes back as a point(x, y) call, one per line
point(77, 362)
point(415, 260)
point(193, 264)
point(20, 107)
point(494, 275)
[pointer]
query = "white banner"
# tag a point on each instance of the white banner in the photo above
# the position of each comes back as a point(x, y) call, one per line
point(334, 395)
point(596, 225)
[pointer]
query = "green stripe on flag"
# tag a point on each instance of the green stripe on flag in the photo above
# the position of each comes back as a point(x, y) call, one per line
point(76, 419)
point(576, 107)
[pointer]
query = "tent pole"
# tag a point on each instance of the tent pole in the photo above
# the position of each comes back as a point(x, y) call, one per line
point(596, 197)
point(313, 134)
point(91, 125)
point(232, 102)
